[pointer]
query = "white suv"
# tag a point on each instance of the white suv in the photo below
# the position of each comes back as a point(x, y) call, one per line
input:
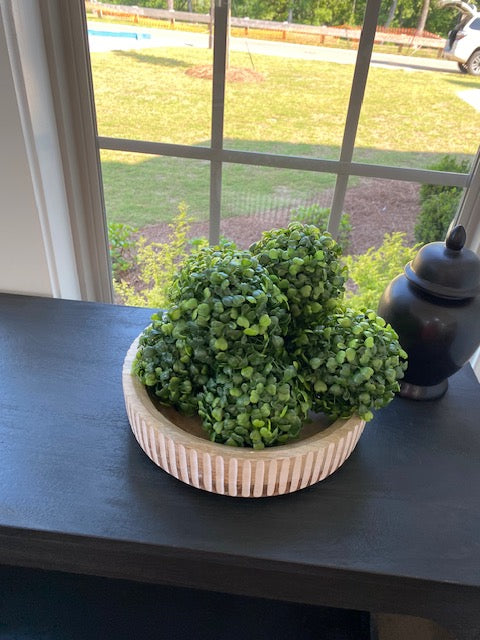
point(463, 43)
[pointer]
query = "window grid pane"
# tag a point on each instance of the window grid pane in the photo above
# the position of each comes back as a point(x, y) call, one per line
point(220, 157)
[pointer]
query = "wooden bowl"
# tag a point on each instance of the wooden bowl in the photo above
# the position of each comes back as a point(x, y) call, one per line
point(180, 446)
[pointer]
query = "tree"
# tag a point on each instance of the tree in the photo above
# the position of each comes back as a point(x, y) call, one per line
point(391, 13)
point(414, 14)
point(423, 16)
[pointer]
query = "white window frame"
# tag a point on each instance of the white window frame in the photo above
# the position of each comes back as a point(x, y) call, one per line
point(50, 67)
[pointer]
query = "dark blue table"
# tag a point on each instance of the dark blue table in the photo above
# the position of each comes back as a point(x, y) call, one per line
point(396, 529)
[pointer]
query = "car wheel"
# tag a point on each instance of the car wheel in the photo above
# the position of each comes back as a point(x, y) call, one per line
point(473, 64)
point(462, 67)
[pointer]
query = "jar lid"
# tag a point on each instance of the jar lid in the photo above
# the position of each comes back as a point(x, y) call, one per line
point(446, 269)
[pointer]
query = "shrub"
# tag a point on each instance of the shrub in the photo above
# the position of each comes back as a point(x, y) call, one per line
point(439, 203)
point(122, 246)
point(371, 271)
point(158, 262)
point(317, 215)
point(447, 163)
point(436, 215)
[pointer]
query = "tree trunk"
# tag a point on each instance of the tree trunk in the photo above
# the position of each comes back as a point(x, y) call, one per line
point(290, 12)
point(170, 5)
point(354, 6)
point(210, 24)
point(391, 13)
point(423, 17)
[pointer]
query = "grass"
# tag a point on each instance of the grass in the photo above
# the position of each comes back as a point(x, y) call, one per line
point(408, 119)
point(141, 191)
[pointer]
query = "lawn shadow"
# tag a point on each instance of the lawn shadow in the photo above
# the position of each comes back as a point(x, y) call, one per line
point(463, 82)
point(408, 64)
point(151, 59)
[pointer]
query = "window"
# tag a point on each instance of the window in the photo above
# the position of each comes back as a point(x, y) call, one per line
point(297, 164)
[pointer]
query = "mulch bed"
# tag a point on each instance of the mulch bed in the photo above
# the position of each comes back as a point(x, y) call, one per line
point(376, 207)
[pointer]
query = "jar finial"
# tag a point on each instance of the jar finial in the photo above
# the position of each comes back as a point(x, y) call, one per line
point(456, 238)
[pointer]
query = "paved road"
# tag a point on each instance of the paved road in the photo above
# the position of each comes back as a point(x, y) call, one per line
point(169, 38)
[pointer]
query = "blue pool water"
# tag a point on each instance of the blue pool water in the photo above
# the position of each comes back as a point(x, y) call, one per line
point(119, 34)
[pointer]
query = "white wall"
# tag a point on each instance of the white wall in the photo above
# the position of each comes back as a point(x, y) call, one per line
point(23, 260)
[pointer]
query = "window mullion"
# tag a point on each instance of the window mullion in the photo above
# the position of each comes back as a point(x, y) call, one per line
point(218, 111)
point(468, 213)
point(362, 66)
point(299, 163)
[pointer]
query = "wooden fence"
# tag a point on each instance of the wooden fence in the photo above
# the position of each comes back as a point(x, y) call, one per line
point(401, 38)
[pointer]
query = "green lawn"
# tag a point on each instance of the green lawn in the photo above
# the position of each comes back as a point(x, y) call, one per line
point(299, 108)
